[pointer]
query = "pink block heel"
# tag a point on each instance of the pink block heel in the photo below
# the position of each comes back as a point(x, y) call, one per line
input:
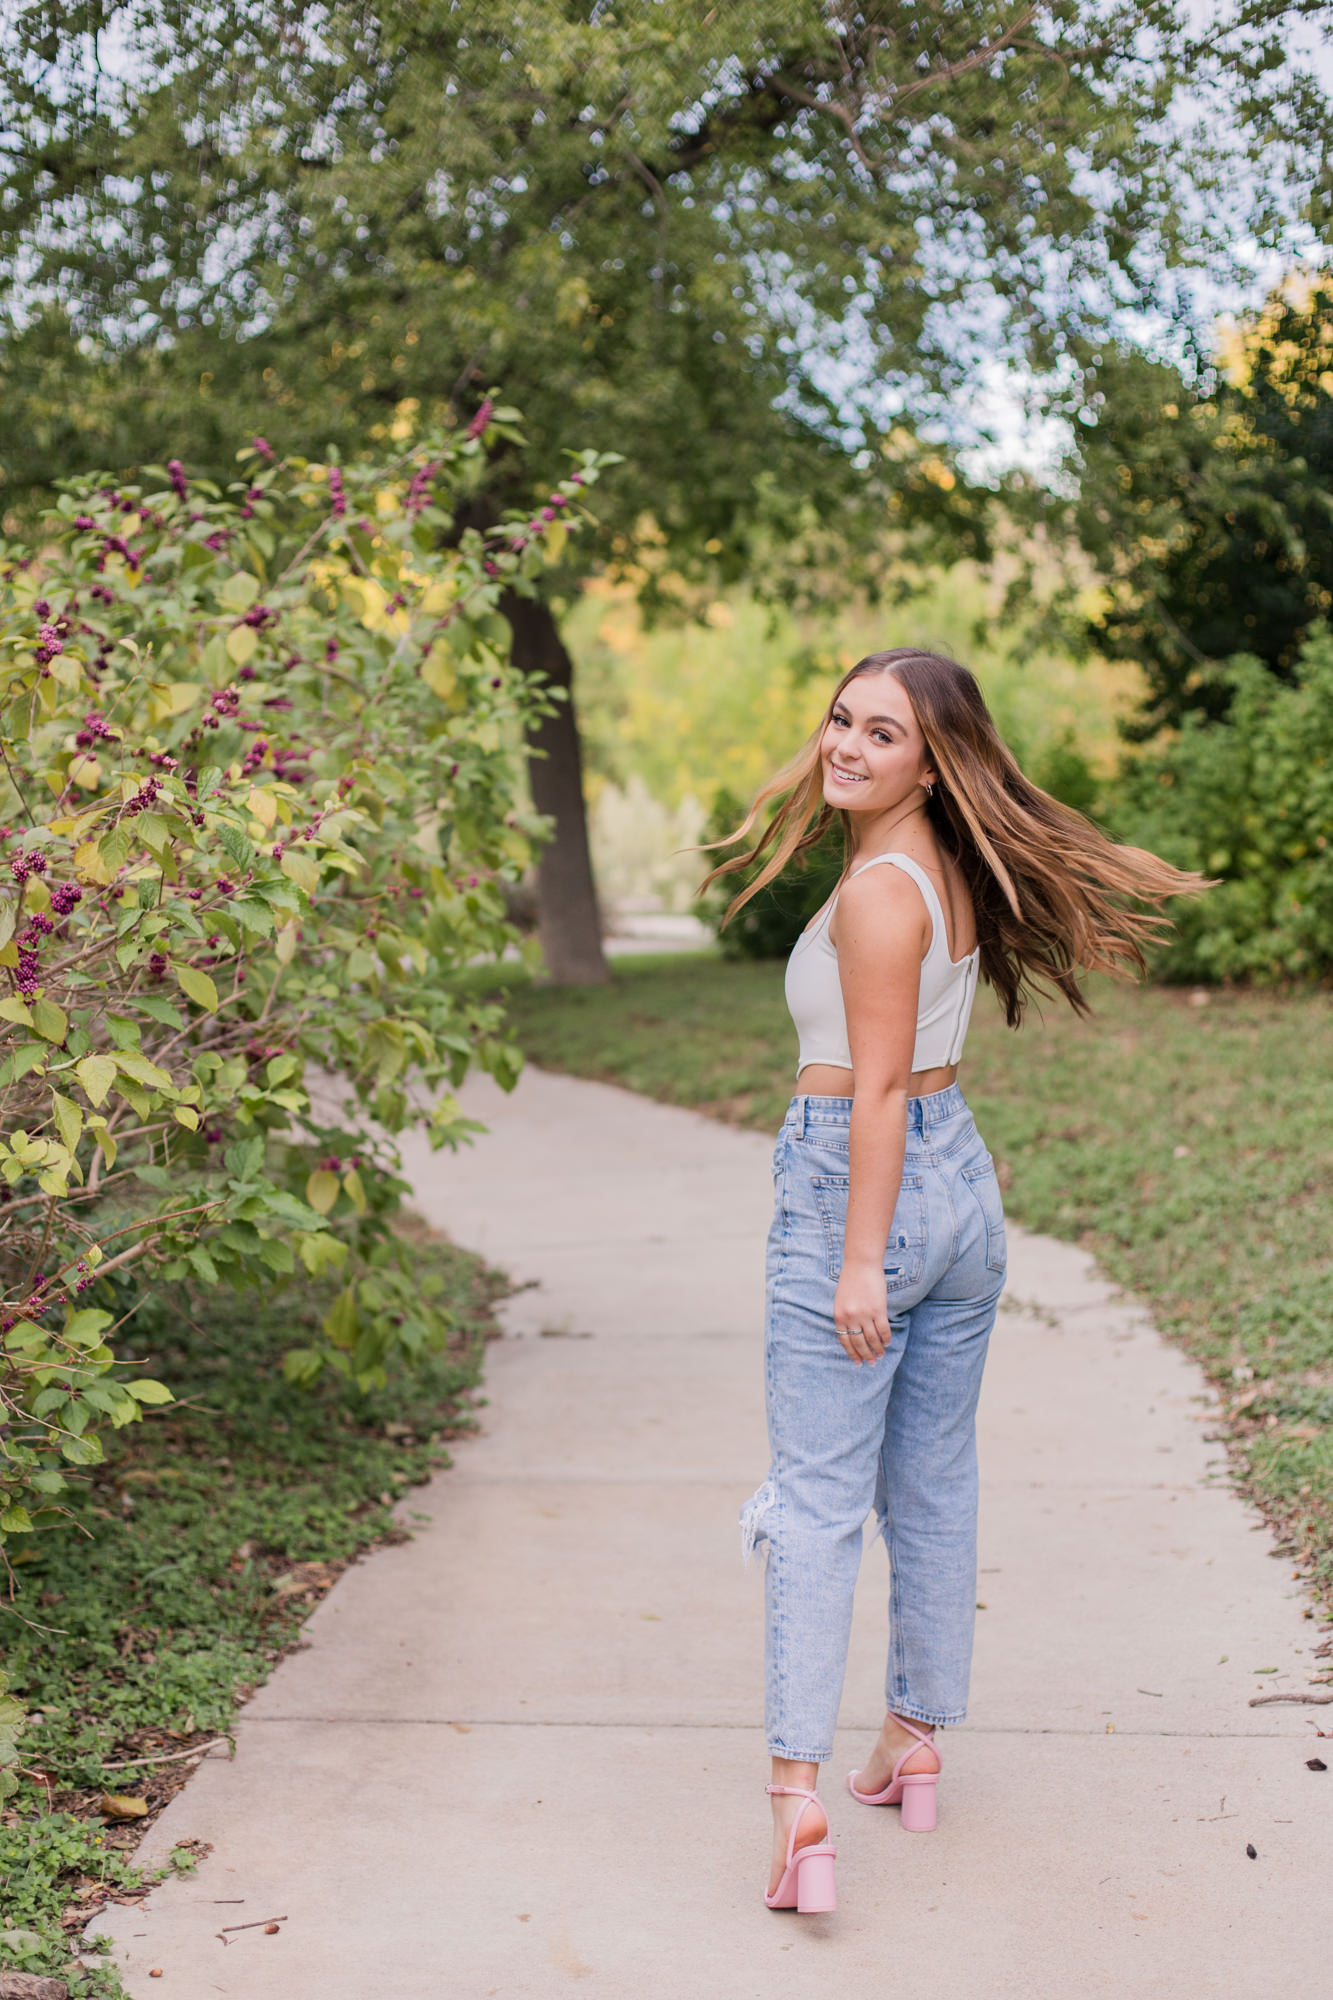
point(915, 1792)
point(808, 1885)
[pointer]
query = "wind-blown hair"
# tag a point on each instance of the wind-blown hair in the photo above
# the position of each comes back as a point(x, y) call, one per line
point(1053, 896)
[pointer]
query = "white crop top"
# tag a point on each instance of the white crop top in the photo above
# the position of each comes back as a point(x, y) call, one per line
point(948, 987)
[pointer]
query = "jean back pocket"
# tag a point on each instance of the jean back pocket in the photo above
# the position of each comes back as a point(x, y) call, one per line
point(986, 1188)
point(905, 1252)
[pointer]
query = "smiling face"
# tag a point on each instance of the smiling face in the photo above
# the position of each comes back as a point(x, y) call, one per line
point(873, 754)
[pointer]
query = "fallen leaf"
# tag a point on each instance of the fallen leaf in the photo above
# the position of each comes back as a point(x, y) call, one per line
point(116, 1806)
point(270, 1930)
point(1251, 1850)
point(1315, 1764)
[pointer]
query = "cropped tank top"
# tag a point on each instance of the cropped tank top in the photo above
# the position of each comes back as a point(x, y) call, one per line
point(948, 987)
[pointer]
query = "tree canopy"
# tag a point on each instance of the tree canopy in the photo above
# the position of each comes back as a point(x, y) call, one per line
point(746, 236)
point(1204, 500)
point(767, 248)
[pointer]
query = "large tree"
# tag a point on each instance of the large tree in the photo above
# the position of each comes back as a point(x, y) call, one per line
point(766, 248)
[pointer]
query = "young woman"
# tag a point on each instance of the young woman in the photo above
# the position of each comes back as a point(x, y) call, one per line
point(886, 1257)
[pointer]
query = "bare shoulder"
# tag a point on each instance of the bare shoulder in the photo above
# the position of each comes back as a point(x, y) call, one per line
point(881, 908)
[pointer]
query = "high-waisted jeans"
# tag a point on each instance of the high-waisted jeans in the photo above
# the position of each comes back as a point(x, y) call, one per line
point(896, 1439)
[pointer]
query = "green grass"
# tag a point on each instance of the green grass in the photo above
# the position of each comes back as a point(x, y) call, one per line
point(194, 1555)
point(1189, 1146)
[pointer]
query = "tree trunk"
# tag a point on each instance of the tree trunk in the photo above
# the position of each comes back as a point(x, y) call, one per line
point(568, 923)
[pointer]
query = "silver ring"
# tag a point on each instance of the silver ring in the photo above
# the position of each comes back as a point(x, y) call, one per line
point(853, 1329)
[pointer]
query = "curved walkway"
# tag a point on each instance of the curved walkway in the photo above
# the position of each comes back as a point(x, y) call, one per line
point(521, 1756)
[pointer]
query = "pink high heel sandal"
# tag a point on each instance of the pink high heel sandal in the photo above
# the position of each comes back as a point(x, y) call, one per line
point(914, 1792)
point(807, 1884)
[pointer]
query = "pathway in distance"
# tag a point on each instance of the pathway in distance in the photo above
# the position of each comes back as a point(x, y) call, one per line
point(522, 1755)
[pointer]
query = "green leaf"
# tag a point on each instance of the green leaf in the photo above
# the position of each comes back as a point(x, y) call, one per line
point(197, 986)
point(81, 1450)
point(15, 1520)
point(215, 663)
point(160, 1009)
point(12, 1008)
point(98, 1129)
point(301, 868)
point(114, 848)
point(96, 1074)
point(50, 1021)
point(20, 1941)
point(253, 916)
point(301, 1366)
point(239, 592)
point(86, 1327)
point(148, 1391)
point(237, 847)
point(123, 1031)
point(243, 1162)
point(135, 1065)
point(69, 1119)
point(154, 831)
point(343, 1322)
point(27, 1056)
point(321, 1190)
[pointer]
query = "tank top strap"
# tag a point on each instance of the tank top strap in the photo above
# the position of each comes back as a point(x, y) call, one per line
point(939, 930)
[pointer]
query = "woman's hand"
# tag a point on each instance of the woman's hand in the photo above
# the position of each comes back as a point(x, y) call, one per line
point(861, 1312)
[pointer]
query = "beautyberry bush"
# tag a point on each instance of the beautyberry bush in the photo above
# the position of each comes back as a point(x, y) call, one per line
point(260, 791)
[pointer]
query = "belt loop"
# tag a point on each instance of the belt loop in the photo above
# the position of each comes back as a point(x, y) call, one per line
point(801, 1104)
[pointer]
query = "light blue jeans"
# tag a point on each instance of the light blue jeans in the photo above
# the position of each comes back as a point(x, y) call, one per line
point(896, 1439)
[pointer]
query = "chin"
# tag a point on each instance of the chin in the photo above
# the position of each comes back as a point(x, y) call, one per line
point(836, 795)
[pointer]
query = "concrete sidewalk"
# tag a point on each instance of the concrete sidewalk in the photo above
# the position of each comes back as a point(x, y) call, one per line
point(522, 1757)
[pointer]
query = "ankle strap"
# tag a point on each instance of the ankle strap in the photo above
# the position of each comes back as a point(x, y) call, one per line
point(797, 1792)
point(923, 1736)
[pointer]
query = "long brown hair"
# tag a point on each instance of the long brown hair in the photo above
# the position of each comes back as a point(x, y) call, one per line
point(1053, 896)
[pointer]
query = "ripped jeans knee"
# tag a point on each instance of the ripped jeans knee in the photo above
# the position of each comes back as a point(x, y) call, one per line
point(756, 1518)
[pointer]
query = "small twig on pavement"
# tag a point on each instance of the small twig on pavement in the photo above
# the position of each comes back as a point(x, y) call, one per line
point(258, 1924)
point(1258, 1700)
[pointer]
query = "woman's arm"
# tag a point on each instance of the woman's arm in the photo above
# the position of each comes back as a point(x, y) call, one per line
point(882, 936)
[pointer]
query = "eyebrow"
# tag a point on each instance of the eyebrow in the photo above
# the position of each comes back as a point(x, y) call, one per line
point(895, 720)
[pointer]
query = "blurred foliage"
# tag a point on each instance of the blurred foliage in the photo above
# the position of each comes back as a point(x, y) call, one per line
point(771, 921)
point(724, 700)
point(1204, 501)
point(1247, 799)
point(260, 786)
